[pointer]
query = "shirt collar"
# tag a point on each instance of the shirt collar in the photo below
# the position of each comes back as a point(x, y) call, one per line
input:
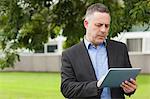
point(88, 44)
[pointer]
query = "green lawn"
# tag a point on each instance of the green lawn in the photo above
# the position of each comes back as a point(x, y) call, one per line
point(23, 85)
point(29, 85)
point(143, 90)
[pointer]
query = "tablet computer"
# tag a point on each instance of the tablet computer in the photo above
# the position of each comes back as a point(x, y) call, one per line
point(116, 76)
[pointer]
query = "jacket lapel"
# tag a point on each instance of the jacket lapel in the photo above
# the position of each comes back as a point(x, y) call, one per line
point(110, 54)
point(86, 60)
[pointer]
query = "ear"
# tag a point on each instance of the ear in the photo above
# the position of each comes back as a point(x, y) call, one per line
point(85, 23)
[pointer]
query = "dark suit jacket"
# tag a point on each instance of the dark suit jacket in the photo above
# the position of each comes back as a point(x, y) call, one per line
point(78, 79)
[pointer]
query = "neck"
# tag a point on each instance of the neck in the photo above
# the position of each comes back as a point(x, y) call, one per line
point(89, 40)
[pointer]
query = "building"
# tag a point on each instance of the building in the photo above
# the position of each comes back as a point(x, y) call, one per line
point(49, 59)
point(138, 44)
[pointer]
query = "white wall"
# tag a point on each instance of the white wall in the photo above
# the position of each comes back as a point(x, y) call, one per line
point(52, 62)
point(38, 62)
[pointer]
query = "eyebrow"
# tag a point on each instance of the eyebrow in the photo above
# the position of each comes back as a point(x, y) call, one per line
point(101, 24)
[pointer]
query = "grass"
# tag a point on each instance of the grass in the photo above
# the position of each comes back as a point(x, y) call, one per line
point(143, 89)
point(34, 85)
point(23, 85)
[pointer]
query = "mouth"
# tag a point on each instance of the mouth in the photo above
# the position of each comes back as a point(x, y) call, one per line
point(101, 37)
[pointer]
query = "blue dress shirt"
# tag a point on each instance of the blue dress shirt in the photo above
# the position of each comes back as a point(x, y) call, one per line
point(99, 60)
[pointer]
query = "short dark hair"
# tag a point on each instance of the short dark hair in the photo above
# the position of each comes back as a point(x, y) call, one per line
point(97, 7)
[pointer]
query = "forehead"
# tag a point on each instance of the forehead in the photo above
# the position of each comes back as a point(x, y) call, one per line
point(101, 17)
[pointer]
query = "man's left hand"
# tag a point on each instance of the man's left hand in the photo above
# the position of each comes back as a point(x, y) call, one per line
point(129, 86)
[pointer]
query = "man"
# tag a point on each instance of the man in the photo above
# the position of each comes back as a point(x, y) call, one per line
point(85, 64)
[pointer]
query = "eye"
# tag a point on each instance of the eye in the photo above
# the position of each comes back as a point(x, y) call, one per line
point(106, 25)
point(99, 25)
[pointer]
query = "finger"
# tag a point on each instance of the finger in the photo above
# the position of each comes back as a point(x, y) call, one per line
point(127, 87)
point(133, 81)
point(131, 84)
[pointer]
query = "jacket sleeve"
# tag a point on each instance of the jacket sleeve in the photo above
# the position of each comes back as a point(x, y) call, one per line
point(126, 58)
point(127, 63)
point(70, 87)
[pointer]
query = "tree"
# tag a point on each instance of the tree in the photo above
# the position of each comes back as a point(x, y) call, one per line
point(124, 15)
point(24, 24)
point(140, 13)
point(29, 23)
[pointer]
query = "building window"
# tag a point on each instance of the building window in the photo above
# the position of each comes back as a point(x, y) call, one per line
point(52, 48)
point(134, 45)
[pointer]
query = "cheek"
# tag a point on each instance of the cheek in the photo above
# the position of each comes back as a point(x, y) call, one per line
point(94, 36)
point(107, 32)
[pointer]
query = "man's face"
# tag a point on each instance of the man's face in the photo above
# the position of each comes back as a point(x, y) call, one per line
point(97, 27)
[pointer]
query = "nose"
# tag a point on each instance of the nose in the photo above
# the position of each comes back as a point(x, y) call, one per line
point(103, 28)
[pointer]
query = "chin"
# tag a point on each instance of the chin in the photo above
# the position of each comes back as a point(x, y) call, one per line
point(101, 41)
